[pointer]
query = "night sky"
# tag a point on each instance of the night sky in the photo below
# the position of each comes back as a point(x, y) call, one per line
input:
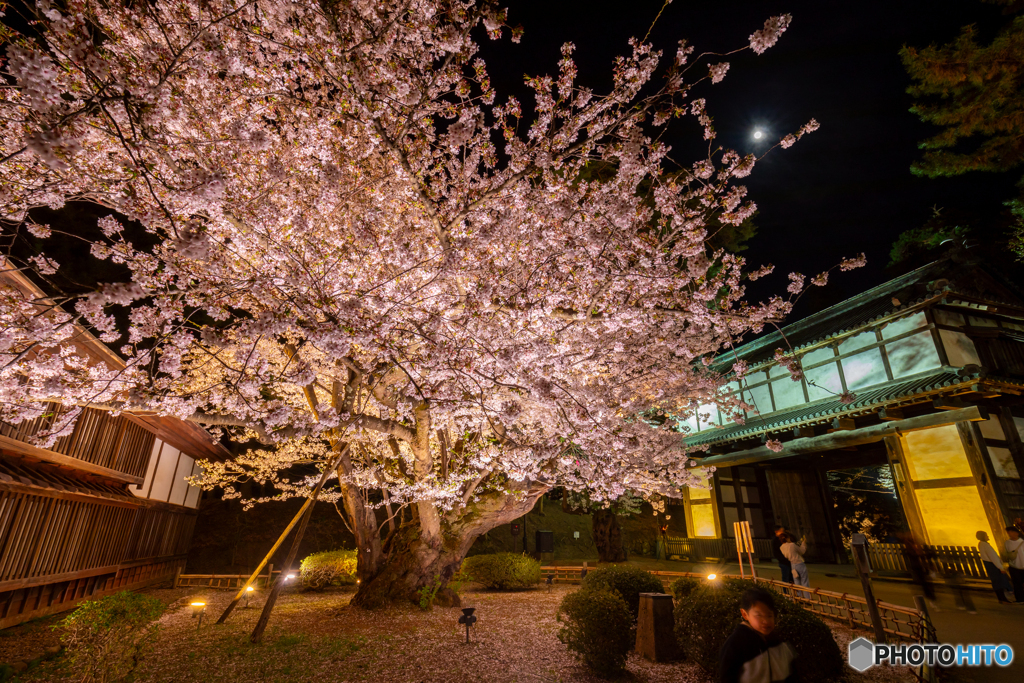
point(846, 188)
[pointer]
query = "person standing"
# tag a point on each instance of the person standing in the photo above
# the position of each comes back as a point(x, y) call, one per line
point(784, 565)
point(754, 653)
point(993, 565)
point(1015, 553)
point(794, 552)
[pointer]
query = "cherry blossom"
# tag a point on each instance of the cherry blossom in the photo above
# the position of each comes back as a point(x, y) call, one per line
point(369, 260)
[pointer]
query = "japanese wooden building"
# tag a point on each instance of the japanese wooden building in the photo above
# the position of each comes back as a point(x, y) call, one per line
point(934, 361)
point(106, 508)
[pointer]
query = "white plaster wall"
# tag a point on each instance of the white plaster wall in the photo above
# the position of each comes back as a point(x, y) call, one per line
point(911, 355)
point(904, 325)
point(165, 477)
point(864, 369)
point(827, 377)
point(960, 350)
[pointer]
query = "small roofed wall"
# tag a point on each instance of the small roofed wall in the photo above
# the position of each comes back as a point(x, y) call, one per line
point(166, 477)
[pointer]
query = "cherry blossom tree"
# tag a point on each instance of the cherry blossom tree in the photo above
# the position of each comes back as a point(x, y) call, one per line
point(371, 262)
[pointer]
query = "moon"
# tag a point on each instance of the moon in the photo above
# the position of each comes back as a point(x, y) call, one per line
point(758, 135)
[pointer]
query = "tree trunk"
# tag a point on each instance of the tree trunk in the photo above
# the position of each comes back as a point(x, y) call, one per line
point(608, 536)
point(369, 553)
point(429, 550)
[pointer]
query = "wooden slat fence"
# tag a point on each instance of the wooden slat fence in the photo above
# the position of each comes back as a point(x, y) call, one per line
point(99, 438)
point(46, 535)
point(699, 549)
point(942, 559)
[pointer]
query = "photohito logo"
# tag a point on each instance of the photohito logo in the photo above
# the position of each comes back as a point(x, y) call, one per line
point(863, 654)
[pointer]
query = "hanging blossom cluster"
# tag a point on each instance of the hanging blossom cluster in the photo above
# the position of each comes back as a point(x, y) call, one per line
point(359, 242)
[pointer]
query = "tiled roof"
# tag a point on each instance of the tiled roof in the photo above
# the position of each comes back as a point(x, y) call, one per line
point(933, 281)
point(866, 401)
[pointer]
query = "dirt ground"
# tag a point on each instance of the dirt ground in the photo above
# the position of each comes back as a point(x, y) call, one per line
point(318, 637)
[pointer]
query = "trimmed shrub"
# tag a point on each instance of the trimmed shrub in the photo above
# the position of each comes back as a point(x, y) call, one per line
point(708, 614)
point(104, 639)
point(627, 581)
point(503, 571)
point(597, 628)
point(682, 587)
point(329, 568)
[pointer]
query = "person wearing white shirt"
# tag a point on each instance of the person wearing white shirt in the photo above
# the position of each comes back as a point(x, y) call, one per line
point(993, 565)
point(1015, 553)
point(795, 554)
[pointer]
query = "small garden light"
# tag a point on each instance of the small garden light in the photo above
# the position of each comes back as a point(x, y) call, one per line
point(248, 592)
point(290, 577)
point(198, 610)
point(550, 580)
point(712, 577)
point(468, 619)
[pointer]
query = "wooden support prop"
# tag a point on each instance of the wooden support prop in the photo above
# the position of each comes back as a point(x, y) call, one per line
point(749, 540)
point(268, 606)
point(860, 560)
point(853, 437)
point(739, 546)
point(306, 507)
point(263, 563)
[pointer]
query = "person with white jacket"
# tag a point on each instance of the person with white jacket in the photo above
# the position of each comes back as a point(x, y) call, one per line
point(1015, 553)
point(993, 565)
point(795, 554)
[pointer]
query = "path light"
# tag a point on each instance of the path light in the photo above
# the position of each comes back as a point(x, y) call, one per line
point(550, 579)
point(468, 619)
point(712, 577)
point(248, 592)
point(290, 577)
point(198, 610)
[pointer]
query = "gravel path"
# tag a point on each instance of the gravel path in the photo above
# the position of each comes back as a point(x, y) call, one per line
point(318, 637)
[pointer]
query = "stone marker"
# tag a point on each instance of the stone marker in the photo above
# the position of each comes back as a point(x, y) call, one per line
point(654, 637)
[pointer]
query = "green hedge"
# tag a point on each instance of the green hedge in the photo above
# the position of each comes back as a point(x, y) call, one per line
point(682, 587)
point(502, 571)
point(707, 614)
point(597, 628)
point(627, 581)
point(105, 638)
point(329, 568)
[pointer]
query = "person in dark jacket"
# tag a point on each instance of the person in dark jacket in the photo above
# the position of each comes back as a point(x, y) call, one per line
point(753, 654)
point(784, 565)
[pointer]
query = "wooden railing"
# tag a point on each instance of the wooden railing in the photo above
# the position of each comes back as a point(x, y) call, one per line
point(699, 549)
point(942, 559)
point(901, 623)
point(232, 581)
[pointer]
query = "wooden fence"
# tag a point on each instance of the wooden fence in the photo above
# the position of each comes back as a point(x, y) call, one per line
point(901, 623)
point(98, 438)
point(700, 549)
point(942, 559)
point(232, 581)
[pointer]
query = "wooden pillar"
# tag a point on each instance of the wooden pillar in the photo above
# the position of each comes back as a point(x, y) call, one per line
point(655, 639)
point(905, 489)
point(835, 538)
point(985, 475)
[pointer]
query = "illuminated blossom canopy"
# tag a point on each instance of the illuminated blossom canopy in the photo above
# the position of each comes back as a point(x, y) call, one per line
point(360, 244)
